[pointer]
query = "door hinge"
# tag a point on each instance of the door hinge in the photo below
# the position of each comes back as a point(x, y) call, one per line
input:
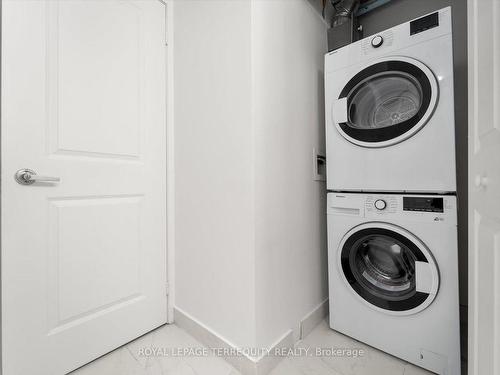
point(167, 289)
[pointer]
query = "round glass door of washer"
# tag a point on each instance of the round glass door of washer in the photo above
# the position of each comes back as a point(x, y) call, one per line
point(388, 268)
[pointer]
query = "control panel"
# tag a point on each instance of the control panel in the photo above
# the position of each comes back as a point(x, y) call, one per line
point(424, 31)
point(389, 207)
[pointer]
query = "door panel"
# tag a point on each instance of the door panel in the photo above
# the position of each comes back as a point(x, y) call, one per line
point(484, 186)
point(72, 59)
point(111, 266)
point(83, 99)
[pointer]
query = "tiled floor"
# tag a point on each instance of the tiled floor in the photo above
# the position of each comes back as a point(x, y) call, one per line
point(129, 361)
point(373, 362)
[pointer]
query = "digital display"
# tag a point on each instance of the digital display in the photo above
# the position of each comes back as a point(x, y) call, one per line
point(424, 204)
point(424, 23)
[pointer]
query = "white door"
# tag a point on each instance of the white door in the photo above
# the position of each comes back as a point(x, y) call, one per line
point(484, 187)
point(83, 265)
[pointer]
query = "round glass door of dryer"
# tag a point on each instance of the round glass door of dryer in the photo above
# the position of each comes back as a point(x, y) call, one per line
point(389, 269)
point(387, 102)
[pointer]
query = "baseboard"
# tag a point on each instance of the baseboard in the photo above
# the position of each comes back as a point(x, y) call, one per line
point(311, 320)
point(247, 365)
point(244, 364)
point(265, 364)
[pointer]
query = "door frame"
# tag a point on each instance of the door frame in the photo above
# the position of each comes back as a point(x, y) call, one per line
point(170, 156)
point(472, 277)
point(475, 336)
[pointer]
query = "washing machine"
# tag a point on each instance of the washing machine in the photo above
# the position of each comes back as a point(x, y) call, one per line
point(393, 275)
point(390, 111)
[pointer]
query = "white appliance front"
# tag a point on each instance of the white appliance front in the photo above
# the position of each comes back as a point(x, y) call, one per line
point(393, 275)
point(390, 110)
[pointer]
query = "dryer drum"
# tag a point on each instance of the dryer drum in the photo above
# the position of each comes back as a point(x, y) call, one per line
point(385, 100)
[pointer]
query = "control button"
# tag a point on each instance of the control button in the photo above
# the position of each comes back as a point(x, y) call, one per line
point(377, 41)
point(380, 204)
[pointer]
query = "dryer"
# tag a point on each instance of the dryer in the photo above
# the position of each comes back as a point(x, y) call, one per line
point(390, 110)
point(393, 275)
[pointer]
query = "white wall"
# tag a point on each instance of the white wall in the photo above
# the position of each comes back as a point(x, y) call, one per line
point(250, 245)
point(288, 47)
point(214, 183)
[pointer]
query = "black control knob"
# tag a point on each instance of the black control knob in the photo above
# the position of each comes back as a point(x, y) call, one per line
point(377, 41)
point(380, 204)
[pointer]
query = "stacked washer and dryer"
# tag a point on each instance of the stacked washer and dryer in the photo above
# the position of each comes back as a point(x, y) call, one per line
point(392, 209)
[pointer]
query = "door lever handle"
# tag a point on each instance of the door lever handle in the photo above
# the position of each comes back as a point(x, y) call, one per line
point(27, 177)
